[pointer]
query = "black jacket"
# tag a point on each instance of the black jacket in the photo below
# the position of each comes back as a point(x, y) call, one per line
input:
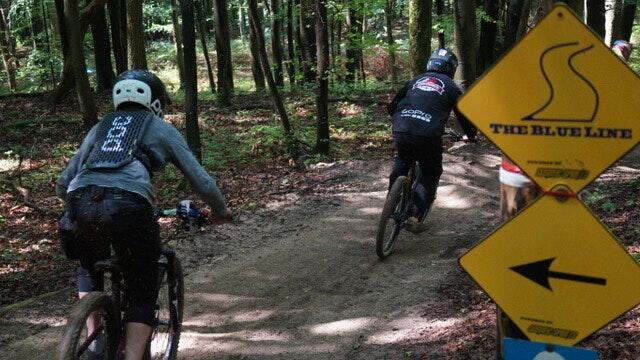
point(423, 105)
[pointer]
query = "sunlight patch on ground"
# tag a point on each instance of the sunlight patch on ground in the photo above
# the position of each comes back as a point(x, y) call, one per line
point(247, 335)
point(221, 300)
point(8, 165)
point(449, 198)
point(410, 329)
point(371, 210)
point(210, 319)
point(341, 327)
point(194, 344)
point(344, 220)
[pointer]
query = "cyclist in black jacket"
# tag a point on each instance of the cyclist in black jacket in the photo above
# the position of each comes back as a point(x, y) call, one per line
point(419, 113)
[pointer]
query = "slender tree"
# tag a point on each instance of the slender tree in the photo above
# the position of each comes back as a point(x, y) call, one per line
point(223, 53)
point(102, 50)
point(488, 33)
point(353, 52)
point(419, 35)
point(119, 52)
point(292, 144)
point(135, 32)
point(177, 39)
point(190, 78)
point(276, 41)
point(308, 39)
point(256, 66)
point(439, 14)
point(291, 61)
point(390, 14)
point(76, 58)
point(7, 51)
point(628, 15)
point(202, 30)
point(322, 97)
point(465, 31)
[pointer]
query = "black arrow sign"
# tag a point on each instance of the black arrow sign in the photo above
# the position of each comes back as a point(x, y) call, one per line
point(539, 273)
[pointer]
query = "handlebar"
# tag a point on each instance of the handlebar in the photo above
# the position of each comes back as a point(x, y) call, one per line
point(191, 217)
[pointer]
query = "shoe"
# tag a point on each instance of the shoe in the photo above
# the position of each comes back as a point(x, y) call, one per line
point(414, 225)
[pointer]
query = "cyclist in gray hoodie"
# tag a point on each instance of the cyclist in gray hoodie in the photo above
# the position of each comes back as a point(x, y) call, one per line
point(109, 196)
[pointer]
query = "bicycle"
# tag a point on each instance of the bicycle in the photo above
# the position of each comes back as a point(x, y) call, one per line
point(107, 306)
point(395, 212)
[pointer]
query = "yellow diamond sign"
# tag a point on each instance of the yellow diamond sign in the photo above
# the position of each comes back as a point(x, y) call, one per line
point(560, 104)
point(557, 272)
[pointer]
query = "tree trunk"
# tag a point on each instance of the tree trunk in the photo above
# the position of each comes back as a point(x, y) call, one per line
point(513, 22)
point(613, 24)
point(322, 97)
point(256, 66)
point(595, 16)
point(254, 16)
point(337, 57)
point(488, 33)
point(102, 50)
point(241, 23)
point(276, 41)
point(177, 39)
point(223, 53)
point(205, 49)
point(354, 41)
point(135, 32)
point(77, 61)
point(419, 35)
point(465, 30)
point(124, 29)
point(291, 66)
point(190, 78)
point(391, 44)
point(119, 53)
point(628, 16)
point(45, 23)
point(577, 6)
point(308, 38)
point(523, 25)
point(6, 49)
point(439, 13)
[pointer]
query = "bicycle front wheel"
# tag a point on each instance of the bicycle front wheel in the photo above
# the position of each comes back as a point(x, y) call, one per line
point(169, 307)
point(391, 220)
point(93, 329)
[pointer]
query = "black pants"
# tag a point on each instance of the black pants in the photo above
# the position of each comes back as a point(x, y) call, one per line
point(428, 153)
point(110, 217)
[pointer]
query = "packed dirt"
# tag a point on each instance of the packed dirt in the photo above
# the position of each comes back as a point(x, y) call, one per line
point(300, 278)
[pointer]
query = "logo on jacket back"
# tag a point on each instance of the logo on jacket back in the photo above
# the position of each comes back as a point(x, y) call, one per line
point(429, 83)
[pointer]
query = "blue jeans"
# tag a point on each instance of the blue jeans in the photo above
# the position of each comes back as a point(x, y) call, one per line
point(427, 152)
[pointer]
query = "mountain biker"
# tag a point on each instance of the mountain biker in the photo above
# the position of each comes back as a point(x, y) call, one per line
point(109, 196)
point(623, 49)
point(419, 112)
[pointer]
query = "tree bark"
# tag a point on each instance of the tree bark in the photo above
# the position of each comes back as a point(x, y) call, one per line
point(124, 29)
point(308, 38)
point(6, 49)
point(135, 32)
point(439, 13)
point(523, 25)
point(595, 16)
point(190, 78)
point(488, 33)
point(465, 30)
point(291, 66)
point(513, 22)
point(102, 50)
point(77, 61)
point(292, 145)
point(205, 49)
point(322, 97)
point(628, 16)
point(613, 24)
point(223, 53)
point(354, 41)
point(419, 35)
point(391, 44)
point(256, 66)
point(119, 53)
point(276, 42)
point(577, 6)
point(177, 39)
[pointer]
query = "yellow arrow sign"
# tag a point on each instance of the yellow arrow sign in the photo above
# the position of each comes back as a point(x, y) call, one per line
point(560, 104)
point(557, 272)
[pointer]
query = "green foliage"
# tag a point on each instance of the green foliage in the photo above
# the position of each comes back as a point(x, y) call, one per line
point(608, 206)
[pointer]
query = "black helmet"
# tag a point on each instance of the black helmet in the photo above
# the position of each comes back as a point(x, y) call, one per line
point(443, 61)
point(140, 87)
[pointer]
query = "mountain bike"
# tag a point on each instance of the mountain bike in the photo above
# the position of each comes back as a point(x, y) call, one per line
point(397, 206)
point(103, 332)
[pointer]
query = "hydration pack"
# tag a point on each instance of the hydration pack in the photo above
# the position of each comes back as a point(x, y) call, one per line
point(118, 140)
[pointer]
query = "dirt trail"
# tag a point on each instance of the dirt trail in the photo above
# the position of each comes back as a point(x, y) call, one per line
point(300, 279)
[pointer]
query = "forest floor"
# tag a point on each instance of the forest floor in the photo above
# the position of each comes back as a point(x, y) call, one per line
point(296, 277)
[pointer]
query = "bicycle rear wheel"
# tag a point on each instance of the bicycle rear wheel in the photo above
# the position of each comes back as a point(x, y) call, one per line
point(102, 342)
point(392, 217)
point(169, 307)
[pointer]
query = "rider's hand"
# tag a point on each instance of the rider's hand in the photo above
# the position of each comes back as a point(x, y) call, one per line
point(217, 220)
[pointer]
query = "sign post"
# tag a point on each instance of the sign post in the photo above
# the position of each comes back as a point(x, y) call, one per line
point(551, 107)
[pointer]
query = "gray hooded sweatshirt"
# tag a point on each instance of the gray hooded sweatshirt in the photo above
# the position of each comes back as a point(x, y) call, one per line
point(162, 143)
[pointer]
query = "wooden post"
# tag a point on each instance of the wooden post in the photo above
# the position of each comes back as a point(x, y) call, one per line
point(516, 192)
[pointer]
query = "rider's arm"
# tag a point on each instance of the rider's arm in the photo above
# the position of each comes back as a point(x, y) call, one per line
point(393, 105)
point(181, 156)
point(75, 164)
point(469, 129)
